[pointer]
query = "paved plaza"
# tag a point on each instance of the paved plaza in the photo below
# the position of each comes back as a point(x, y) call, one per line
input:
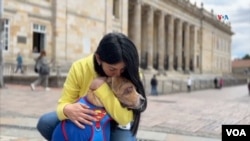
point(195, 116)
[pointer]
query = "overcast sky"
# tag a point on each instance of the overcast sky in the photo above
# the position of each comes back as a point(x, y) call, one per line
point(238, 12)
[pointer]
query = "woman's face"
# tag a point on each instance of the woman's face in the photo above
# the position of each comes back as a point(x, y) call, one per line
point(113, 69)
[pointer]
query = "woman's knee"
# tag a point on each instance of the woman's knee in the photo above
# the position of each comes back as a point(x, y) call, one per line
point(49, 120)
point(46, 124)
point(42, 122)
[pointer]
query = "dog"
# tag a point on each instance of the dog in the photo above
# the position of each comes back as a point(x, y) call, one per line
point(125, 92)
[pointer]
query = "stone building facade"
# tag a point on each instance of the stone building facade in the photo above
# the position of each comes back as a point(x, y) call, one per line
point(171, 35)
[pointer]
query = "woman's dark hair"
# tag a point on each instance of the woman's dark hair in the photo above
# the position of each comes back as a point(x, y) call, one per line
point(115, 48)
point(42, 53)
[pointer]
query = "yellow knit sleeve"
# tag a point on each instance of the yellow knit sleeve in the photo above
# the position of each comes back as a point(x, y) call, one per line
point(70, 92)
point(120, 114)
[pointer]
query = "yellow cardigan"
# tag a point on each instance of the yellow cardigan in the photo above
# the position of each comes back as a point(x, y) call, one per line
point(77, 84)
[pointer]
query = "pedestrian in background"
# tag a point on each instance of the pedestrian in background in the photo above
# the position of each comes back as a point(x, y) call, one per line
point(43, 69)
point(154, 84)
point(215, 82)
point(19, 61)
point(189, 84)
point(221, 83)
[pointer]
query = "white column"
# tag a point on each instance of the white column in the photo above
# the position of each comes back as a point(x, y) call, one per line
point(135, 29)
point(161, 40)
point(179, 45)
point(170, 43)
point(186, 47)
point(150, 37)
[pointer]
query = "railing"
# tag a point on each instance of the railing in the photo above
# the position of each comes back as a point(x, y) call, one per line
point(10, 68)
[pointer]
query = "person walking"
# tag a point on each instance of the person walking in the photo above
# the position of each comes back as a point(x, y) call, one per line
point(19, 60)
point(215, 83)
point(221, 83)
point(189, 84)
point(116, 55)
point(248, 85)
point(43, 69)
point(154, 84)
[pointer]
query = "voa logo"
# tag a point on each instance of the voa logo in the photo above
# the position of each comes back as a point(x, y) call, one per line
point(221, 17)
point(236, 132)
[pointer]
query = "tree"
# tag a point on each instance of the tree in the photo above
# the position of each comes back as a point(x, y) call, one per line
point(247, 56)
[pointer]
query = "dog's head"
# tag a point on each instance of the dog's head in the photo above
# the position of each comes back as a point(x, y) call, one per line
point(126, 92)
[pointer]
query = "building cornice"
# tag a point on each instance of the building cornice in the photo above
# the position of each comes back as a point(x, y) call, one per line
point(201, 13)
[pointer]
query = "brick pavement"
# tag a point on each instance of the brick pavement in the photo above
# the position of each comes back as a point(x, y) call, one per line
point(200, 113)
point(183, 115)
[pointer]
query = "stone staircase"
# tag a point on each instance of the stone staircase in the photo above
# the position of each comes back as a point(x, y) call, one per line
point(174, 82)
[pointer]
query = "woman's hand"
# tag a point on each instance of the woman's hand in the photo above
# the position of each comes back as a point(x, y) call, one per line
point(79, 114)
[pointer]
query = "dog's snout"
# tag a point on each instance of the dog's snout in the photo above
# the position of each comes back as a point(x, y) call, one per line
point(142, 101)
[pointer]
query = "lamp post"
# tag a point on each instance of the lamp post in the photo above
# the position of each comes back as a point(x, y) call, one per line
point(1, 43)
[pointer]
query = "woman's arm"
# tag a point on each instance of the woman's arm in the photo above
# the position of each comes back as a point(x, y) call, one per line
point(120, 114)
point(67, 108)
point(69, 94)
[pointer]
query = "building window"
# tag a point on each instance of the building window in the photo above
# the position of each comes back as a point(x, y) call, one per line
point(116, 9)
point(38, 38)
point(6, 34)
point(39, 28)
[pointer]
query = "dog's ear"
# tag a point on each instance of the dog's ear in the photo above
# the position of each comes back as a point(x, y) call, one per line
point(114, 82)
point(109, 81)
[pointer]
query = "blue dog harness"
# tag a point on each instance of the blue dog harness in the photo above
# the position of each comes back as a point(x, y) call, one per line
point(66, 130)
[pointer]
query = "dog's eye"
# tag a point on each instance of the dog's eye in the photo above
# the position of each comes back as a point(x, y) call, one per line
point(128, 90)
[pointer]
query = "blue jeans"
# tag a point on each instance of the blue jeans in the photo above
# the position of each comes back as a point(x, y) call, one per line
point(154, 90)
point(48, 122)
point(19, 66)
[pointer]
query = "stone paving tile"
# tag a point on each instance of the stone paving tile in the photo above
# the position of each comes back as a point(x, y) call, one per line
point(200, 111)
point(152, 136)
point(19, 134)
point(19, 122)
point(20, 100)
point(7, 138)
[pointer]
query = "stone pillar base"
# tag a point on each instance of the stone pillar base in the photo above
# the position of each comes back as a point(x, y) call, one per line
point(179, 70)
point(162, 72)
point(150, 69)
point(171, 69)
point(186, 71)
point(196, 71)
